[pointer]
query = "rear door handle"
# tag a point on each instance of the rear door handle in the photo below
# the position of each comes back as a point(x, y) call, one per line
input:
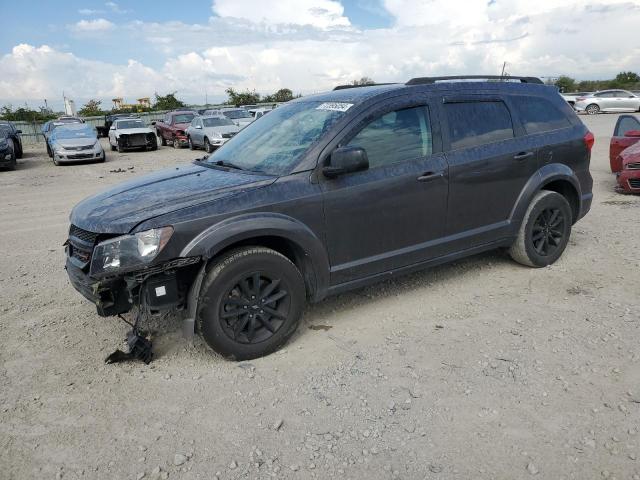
point(523, 155)
point(428, 176)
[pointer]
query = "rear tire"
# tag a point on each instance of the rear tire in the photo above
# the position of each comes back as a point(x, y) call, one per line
point(250, 303)
point(592, 109)
point(544, 232)
point(113, 149)
point(163, 141)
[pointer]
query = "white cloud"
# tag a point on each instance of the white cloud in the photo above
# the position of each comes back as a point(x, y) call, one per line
point(97, 25)
point(318, 13)
point(426, 39)
point(114, 7)
point(88, 11)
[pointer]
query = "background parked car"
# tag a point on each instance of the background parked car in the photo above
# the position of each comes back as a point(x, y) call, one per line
point(571, 97)
point(210, 132)
point(75, 142)
point(608, 101)
point(172, 127)
point(7, 153)
point(240, 116)
point(103, 130)
point(628, 178)
point(51, 125)
point(624, 135)
point(12, 135)
point(128, 133)
point(256, 113)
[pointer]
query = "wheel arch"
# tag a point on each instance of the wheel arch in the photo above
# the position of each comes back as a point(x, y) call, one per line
point(281, 233)
point(556, 177)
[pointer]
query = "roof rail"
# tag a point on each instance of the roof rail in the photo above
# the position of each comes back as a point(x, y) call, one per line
point(426, 80)
point(344, 87)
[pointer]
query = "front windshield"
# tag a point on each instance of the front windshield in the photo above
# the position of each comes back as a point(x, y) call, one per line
point(124, 124)
point(66, 133)
point(183, 118)
point(277, 142)
point(217, 122)
point(235, 114)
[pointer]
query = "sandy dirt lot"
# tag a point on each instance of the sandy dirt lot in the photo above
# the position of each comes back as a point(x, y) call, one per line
point(480, 369)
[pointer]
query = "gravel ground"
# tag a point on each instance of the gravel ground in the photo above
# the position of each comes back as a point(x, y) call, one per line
point(480, 369)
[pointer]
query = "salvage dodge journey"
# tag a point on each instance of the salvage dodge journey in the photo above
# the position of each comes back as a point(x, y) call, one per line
point(332, 192)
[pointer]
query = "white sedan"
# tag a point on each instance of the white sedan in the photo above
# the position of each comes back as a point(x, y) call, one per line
point(128, 133)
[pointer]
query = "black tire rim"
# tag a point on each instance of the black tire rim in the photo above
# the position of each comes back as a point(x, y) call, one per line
point(254, 309)
point(548, 231)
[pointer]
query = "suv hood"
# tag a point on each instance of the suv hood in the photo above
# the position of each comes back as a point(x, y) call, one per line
point(121, 208)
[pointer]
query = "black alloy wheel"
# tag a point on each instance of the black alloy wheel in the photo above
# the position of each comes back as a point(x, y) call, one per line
point(548, 231)
point(254, 309)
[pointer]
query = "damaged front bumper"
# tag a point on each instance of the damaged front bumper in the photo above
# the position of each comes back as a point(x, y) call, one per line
point(159, 287)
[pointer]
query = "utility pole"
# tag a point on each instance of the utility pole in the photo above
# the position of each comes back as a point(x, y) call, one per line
point(504, 65)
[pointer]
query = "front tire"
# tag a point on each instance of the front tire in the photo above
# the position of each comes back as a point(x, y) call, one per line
point(250, 303)
point(544, 232)
point(592, 109)
point(191, 146)
point(163, 141)
point(207, 146)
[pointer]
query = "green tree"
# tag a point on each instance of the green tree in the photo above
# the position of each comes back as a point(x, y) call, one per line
point(242, 98)
point(364, 81)
point(566, 84)
point(24, 114)
point(91, 109)
point(167, 102)
point(626, 78)
point(282, 95)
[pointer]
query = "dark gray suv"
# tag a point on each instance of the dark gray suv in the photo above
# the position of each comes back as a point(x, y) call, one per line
point(332, 192)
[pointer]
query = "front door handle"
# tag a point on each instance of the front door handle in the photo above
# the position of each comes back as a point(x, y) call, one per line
point(523, 155)
point(428, 176)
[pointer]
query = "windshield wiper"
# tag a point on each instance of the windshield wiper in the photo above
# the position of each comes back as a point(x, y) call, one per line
point(224, 163)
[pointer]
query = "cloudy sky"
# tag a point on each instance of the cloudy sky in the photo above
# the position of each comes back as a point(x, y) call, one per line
point(96, 49)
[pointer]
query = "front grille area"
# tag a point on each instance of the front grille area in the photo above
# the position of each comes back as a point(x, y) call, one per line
point(81, 243)
point(634, 182)
point(80, 156)
point(633, 166)
point(84, 235)
point(134, 139)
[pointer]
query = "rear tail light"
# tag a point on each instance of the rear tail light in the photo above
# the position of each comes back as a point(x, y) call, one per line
point(589, 140)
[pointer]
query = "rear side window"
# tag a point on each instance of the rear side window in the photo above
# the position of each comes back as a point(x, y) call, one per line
point(396, 136)
point(625, 124)
point(478, 123)
point(539, 114)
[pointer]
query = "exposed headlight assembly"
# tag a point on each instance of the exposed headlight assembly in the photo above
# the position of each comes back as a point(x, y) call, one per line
point(128, 252)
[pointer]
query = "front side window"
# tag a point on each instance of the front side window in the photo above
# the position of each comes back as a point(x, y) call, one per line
point(539, 114)
point(396, 136)
point(478, 123)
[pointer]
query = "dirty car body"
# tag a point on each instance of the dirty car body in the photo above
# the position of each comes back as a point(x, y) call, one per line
point(337, 190)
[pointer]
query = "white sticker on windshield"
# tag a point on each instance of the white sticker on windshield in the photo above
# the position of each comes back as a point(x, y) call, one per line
point(335, 106)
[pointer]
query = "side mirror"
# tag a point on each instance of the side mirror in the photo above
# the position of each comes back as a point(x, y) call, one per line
point(346, 160)
point(112, 127)
point(632, 133)
point(199, 127)
point(18, 132)
point(153, 123)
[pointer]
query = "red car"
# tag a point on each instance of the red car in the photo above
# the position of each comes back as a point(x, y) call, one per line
point(629, 176)
point(626, 133)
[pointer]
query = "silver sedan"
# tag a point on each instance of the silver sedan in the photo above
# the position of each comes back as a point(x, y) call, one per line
point(608, 101)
